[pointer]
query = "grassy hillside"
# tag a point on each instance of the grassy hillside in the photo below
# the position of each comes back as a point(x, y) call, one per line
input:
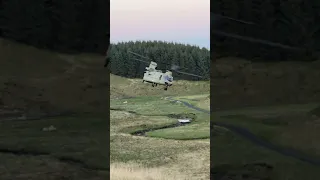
point(186, 153)
point(70, 82)
point(293, 129)
point(36, 83)
point(178, 152)
point(238, 82)
point(30, 77)
point(124, 87)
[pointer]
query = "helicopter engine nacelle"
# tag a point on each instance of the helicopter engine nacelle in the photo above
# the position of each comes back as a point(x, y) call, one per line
point(153, 65)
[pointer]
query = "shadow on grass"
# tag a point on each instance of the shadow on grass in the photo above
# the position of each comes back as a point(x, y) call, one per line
point(261, 171)
point(34, 152)
point(64, 159)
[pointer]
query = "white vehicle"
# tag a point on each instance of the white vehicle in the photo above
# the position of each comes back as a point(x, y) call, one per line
point(155, 77)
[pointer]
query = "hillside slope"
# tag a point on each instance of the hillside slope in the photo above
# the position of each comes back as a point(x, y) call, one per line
point(238, 82)
point(34, 80)
point(124, 87)
point(37, 79)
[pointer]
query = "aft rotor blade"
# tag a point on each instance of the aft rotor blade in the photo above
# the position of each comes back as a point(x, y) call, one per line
point(213, 15)
point(188, 74)
point(254, 40)
point(139, 55)
point(175, 67)
point(140, 60)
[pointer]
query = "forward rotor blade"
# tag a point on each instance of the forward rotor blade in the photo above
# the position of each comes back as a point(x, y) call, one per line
point(188, 74)
point(139, 55)
point(141, 60)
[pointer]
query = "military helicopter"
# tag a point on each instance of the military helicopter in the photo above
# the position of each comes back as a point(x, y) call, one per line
point(158, 77)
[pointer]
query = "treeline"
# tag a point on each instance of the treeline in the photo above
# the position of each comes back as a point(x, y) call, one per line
point(273, 29)
point(191, 59)
point(60, 25)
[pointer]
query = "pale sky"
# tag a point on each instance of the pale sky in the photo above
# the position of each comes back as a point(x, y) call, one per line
point(182, 21)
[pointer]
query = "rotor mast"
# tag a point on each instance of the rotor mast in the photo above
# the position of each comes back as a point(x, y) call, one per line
point(152, 66)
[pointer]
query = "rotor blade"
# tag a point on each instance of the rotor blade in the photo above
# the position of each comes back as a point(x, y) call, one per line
point(188, 74)
point(183, 68)
point(139, 55)
point(254, 40)
point(141, 60)
point(229, 18)
point(174, 67)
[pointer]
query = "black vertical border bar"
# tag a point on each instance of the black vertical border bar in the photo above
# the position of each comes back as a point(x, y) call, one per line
point(211, 89)
point(108, 81)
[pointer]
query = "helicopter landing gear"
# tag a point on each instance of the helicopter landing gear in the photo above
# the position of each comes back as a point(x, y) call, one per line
point(166, 86)
point(153, 84)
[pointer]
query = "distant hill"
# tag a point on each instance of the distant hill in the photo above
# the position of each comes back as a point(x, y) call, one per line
point(192, 59)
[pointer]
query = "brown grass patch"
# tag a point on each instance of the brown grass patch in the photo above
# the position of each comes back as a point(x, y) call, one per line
point(132, 171)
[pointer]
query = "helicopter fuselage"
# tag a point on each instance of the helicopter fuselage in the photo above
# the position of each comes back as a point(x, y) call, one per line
point(156, 77)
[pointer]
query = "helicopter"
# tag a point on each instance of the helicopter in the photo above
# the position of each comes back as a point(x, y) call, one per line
point(158, 77)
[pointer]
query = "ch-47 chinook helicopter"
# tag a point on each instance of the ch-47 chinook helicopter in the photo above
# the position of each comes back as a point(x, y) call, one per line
point(158, 77)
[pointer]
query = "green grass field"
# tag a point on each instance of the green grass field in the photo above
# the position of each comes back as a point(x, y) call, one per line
point(47, 82)
point(167, 152)
point(287, 126)
point(34, 82)
point(76, 149)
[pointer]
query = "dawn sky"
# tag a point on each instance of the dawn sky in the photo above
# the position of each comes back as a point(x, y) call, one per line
point(182, 21)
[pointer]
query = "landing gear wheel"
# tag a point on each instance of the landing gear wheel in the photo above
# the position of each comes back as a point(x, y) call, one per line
point(152, 84)
point(166, 88)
